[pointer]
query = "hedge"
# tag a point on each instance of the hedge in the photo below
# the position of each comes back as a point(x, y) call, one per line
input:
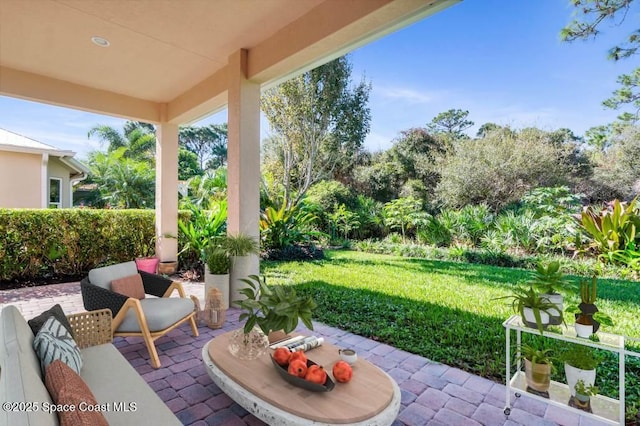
point(36, 243)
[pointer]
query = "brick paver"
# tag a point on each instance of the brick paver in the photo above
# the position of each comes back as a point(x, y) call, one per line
point(432, 393)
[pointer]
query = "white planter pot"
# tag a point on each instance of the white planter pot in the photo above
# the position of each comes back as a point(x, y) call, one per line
point(574, 374)
point(221, 282)
point(242, 267)
point(584, 331)
point(558, 300)
point(530, 317)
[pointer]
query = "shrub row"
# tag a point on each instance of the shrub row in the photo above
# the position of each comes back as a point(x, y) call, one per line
point(582, 267)
point(69, 242)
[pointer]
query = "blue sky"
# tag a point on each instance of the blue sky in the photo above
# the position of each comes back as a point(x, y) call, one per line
point(502, 60)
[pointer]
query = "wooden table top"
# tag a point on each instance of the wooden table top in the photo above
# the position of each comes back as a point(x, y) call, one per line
point(368, 393)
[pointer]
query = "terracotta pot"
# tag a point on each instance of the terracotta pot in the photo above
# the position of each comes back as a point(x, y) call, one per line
point(538, 375)
point(168, 267)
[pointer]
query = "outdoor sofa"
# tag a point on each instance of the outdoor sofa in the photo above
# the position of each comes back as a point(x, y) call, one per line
point(124, 398)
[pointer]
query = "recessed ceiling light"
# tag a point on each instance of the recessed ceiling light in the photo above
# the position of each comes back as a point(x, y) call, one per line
point(99, 41)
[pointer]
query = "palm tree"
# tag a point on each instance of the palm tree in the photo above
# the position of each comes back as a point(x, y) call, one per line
point(138, 138)
point(122, 182)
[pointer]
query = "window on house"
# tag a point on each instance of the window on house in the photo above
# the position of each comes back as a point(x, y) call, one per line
point(55, 191)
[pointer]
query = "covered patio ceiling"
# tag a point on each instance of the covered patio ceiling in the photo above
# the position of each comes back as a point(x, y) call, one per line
point(168, 59)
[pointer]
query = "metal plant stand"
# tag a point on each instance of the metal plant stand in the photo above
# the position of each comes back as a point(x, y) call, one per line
point(611, 411)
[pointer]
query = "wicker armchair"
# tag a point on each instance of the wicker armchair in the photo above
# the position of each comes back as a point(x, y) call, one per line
point(149, 318)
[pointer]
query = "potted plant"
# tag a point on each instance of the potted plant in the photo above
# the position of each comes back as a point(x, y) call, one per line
point(584, 393)
point(266, 309)
point(632, 415)
point(548, 280)
point(217, 267)
point(538, 364)
point(532, 307)
point(243, 250)
point(588, 317)
point(580, 363)
point(147, 261)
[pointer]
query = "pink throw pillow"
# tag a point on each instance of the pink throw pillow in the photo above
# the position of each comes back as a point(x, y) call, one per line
point(130, 286)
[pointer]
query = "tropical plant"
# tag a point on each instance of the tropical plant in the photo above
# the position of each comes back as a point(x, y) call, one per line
point(404, 214)
point(273, 308)
point(548, 279)
point(122, 182)
point(240, 244)
point(521, 299)
point(344, 221)
point(536, 354)
point(217, 259)
point(613, 227)
point(204, 191)
point(582, 389)
point(137, 141)
point(286, 226)
point(434, 232)
point(195, 235)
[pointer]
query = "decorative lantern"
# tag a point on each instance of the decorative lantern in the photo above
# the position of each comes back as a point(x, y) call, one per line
point(214, 312)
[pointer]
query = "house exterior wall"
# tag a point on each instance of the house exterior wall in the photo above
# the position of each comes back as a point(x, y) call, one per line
point(58, 170)
point(20, 180)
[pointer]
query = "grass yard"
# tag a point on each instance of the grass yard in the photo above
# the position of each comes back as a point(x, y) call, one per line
point(444, 311)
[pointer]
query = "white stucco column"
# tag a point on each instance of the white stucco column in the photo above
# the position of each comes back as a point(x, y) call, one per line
point(243, 151)
point(167, 191)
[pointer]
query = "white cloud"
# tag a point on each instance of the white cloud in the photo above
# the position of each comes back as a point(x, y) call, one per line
point(405, 95)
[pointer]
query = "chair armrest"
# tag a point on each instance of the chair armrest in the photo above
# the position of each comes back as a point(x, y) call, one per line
point(91, 328)
point(94, 298)
point(155, 285)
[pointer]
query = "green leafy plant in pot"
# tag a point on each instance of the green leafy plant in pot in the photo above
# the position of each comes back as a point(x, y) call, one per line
point(266, 309)
point(588, 317)
point(548, 280)
point(584, 392)
point(632, 414)
point(532, 307)
point(218, 264)
point(243, 250)
point(538, 364)
point(580, 363)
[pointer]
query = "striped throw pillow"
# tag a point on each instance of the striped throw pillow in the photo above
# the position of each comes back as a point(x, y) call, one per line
point(52, 342)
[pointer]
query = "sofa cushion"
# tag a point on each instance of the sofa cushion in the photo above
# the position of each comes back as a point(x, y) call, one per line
point(112, 379)
point(160, 313)
point(66, 387)
point(56, 312)
point(103, 276)
point(52, 342)
point(20, 375)
point(130, 286)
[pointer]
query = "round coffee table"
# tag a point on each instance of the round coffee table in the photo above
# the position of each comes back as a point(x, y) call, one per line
point(371, 398)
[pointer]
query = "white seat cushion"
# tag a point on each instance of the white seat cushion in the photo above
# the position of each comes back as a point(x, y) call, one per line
point(160, 313)
point(103, 276)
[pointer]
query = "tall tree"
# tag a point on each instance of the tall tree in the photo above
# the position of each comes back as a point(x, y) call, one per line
point(319, 122)
point(122, 182)
point(138, 139)
point(591, 14)
point(209, 143)
point(451, 123)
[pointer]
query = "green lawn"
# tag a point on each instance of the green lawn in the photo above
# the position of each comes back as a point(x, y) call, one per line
point(444, 311)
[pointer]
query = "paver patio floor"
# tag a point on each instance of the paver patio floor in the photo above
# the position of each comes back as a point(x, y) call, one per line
point(432, 393)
